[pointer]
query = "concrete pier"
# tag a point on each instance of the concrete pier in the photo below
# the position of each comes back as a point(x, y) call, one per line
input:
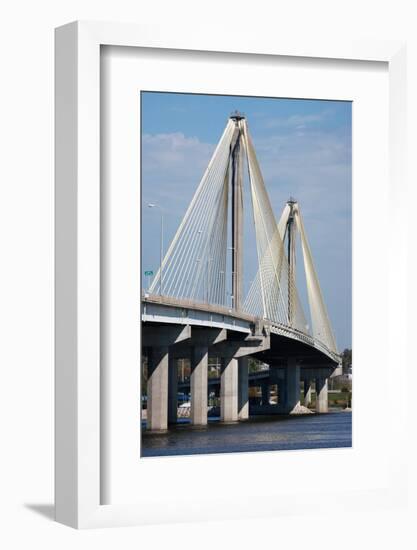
point(243, 388)
point(172, 390)
point(265, 394)
point(292, 385)
point(307, 392)
point(322, 402)
point(157, 414)
point(198, 385)
point(228, 390)
point(282, 394)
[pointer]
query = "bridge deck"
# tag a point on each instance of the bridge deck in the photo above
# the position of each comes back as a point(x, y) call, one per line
point(287, 340)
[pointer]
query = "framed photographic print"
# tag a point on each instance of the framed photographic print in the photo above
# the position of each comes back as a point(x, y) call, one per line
point(220, 215)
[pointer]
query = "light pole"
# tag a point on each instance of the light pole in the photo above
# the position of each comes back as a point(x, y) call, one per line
point(161, 251)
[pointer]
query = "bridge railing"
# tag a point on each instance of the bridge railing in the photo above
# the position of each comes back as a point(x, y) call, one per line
point(310, 340)
point(197, 305)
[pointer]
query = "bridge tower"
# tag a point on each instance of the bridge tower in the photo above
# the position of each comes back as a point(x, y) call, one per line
point(237, 152)
point(291, 238)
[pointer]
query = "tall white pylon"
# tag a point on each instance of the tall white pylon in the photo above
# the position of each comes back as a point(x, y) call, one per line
point(322, 329)
point(292, 221)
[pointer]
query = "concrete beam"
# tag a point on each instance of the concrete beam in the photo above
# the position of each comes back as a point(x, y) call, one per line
point(228, 390)
point(198, 385)
point(164, 336)
point(208, 337)
point(243, 388)
point(227, 348)
point(248, 346)
point(157, 404)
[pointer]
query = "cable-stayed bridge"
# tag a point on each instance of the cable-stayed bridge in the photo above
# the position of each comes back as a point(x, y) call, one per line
point(196, 303)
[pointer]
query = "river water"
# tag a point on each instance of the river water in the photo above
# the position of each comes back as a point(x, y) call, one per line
point(260, 433)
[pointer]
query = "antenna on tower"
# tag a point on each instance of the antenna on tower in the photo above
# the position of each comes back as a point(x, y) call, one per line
point(237, 115)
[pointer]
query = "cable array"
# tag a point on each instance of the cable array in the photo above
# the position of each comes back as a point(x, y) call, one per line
point(194, 266)
point(269, 294)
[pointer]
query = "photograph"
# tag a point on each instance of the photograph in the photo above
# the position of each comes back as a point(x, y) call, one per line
point(246, 256)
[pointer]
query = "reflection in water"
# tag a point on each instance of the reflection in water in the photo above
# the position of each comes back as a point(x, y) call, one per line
point(258, 434)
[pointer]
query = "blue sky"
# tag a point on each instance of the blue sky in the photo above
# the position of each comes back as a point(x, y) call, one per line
point(304, 150)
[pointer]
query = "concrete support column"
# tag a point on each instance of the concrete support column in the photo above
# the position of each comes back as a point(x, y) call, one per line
point(172, 390)
point(282, 396)
point(243, 388)
point(307, 392)
point(292, 384)
point(157, 413)
point(322, 401)
point(265, 393)
point(198, 385)
point(228, 390)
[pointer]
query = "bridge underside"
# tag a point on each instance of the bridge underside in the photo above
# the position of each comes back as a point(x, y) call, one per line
point(306, 356)
point(188, 335)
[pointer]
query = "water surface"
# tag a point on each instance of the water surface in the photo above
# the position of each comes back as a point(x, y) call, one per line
point(261, 433)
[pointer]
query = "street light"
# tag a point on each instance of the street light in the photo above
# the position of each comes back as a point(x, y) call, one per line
point(152, 205)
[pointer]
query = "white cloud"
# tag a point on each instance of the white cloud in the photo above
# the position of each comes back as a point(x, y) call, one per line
point(167, 151)
point(313, 166)
point(172, 165)
point(295, 121)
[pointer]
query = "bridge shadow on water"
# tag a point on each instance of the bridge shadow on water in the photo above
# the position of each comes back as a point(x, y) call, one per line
point(259, 433)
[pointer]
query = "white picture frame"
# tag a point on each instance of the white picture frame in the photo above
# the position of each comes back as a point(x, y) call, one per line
point(78, 426)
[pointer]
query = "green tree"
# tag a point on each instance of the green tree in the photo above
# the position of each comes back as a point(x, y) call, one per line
point(346, 361)
point(254, 365)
